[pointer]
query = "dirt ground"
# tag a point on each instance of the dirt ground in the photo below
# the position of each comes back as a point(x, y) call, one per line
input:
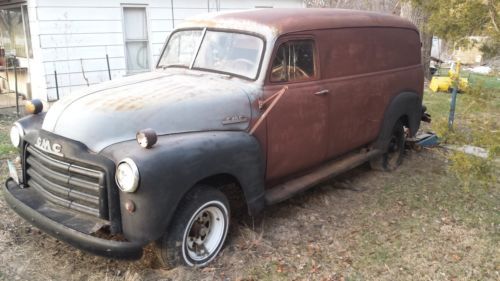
point(416, 223)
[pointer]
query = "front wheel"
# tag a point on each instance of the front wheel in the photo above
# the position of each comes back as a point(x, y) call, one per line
point(198, 230)
point(393, 157)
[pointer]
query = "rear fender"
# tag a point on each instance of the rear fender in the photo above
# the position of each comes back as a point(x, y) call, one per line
point(405, 105)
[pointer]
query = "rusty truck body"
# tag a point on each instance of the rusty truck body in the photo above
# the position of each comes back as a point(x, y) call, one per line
point(268, 102)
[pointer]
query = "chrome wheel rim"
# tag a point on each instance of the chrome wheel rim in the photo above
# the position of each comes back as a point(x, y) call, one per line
point(206, 232)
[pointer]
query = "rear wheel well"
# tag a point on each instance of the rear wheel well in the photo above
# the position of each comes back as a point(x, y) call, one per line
point(405, 120)
point(406, 124)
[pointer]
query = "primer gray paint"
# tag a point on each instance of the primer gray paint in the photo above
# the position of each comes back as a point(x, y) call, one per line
point(169, 102)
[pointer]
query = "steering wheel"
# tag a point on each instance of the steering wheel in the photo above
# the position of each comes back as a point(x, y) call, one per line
point(243, 63)
point(302, 72)
point(298, 73)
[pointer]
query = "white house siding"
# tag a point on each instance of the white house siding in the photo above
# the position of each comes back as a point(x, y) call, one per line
point(72, 34)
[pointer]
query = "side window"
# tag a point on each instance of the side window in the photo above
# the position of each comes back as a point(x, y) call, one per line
point(293, 61)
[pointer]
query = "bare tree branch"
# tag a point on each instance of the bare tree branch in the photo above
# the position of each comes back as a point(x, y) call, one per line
point(493, 14)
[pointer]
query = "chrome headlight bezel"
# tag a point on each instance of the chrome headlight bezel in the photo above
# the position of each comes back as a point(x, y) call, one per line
point(16, 134)
point(127, 165)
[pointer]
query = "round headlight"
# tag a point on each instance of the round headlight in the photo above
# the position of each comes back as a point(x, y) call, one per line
point(127, 175)
point(16, 134)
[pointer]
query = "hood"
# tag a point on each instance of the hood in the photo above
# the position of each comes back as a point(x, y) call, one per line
point(169, 103)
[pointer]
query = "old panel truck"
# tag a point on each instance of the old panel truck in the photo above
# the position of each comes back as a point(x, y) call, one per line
point(269, 102)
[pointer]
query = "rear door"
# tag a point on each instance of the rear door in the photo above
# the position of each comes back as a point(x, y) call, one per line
point(297, 125)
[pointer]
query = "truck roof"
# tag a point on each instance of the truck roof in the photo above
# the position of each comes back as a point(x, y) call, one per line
point(288, 20)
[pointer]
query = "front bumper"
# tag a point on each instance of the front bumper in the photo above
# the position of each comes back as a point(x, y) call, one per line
point(66, 225)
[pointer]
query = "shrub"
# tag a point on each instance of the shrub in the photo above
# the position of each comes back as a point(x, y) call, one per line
point(476, 124)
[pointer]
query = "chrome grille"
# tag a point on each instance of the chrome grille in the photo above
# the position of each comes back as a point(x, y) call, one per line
point(67, 184)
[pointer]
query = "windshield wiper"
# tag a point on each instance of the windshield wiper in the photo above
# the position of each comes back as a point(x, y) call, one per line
point(173, 65)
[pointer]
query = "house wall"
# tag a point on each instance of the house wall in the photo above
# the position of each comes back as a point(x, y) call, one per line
point(69, 36)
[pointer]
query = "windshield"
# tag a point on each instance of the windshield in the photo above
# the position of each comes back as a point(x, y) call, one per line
point(228, 52)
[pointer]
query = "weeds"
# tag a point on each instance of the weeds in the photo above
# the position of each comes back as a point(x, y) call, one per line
point(480, 93)
point(476, 124)
point(471, 169)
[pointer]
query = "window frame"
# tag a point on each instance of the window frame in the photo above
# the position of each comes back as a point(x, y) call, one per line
point(287, 39)
point(147, 41)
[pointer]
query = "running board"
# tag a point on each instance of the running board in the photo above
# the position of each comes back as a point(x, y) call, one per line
point(288, 189)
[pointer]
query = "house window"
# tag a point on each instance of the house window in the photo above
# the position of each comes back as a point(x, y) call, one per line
point(136, 39)
point(293, 61)
point(14, 31)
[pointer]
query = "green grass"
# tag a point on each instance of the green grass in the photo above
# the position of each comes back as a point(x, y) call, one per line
point(477, 115)
point(477, 123)
point(488, 81)
point(6, 148)
point(438, 104)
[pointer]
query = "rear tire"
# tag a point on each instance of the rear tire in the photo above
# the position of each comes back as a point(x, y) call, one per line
point(393, 157)
point(197, 231)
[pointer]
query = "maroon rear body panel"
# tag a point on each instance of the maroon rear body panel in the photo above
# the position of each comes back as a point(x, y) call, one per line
point(363, 60)
point(364, 68)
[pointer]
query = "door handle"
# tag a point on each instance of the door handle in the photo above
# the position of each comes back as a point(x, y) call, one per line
point(322, 92)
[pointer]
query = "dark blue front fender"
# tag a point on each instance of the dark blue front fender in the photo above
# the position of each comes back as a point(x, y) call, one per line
point(175, 164)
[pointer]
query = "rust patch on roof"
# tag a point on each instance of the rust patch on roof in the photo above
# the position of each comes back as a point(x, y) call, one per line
point(236, 24)
point(274, 22)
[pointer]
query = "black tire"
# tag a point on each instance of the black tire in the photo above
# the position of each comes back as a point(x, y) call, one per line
point(393, 157)
point(201, 206)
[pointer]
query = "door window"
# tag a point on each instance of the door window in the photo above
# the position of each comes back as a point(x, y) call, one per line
point(294, 61)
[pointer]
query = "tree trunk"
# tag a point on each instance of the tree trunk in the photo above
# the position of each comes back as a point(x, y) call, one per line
point(419, 18)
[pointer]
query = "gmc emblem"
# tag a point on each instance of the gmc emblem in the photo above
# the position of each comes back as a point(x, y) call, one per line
point(45, 145)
